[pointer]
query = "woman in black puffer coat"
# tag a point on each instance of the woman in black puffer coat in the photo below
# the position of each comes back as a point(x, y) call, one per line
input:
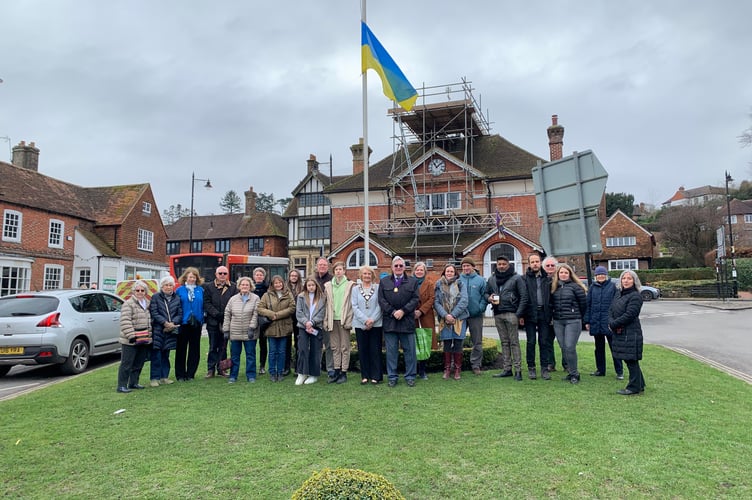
point(166, 315)
point(624, 322)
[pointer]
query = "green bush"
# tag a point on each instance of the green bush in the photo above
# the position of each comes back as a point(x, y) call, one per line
point(333, 484)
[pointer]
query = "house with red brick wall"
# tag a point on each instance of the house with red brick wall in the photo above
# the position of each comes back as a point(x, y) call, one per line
point(59, 235)
point(439, 196)
point(741, 224)
point(626, 244)
point(247, 233)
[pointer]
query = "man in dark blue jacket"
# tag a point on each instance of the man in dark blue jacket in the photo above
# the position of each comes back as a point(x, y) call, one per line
point(476, 307)
point(537, 317)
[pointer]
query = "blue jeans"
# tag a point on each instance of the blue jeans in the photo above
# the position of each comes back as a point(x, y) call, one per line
point(277, 346)
point(160, 364)
point(567, 334)
point(250, 358)
point(393, 342)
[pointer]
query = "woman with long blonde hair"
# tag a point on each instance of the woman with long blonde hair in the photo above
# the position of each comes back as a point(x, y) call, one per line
point(569, 305)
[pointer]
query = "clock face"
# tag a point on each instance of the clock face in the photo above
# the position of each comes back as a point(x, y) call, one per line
point(437, 166)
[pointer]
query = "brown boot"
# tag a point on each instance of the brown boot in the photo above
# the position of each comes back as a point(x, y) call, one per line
point(457, 365)
point(447, 364)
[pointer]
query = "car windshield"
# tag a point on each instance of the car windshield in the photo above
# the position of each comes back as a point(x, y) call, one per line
point(27, 306)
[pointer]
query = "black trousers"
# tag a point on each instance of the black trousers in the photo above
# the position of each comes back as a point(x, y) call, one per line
point(217, 347)
point(132, 359)
point(600, 355)
point(636, 379)
point(187, 352)
point(545, 341)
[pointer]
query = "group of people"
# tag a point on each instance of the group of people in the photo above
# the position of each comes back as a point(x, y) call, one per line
point(318, 314)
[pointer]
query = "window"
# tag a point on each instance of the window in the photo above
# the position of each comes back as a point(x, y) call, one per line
point(57, 229)
point(255, 245)
point(222, 246)
point(621, 241)
point(145, 240)
point(747, 218)
point(12, 226)
point(622, 264)
point(173, 247)
point(146, 208)
point(197, 247)
point(357, 259)
point(313, 199)
point(84, 277)
point(14, 279)
point(437, 203)
point(733, 219)
point(314, 228)
point(53, 277)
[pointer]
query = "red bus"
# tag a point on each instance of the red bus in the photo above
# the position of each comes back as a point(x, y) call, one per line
point(238, 265)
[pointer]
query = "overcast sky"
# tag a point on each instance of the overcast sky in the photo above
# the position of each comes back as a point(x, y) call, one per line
point(120, 92)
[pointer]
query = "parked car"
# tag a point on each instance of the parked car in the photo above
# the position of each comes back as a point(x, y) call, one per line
point(64, 327)
point(646, 291)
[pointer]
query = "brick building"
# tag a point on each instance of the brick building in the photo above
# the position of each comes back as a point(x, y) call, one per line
point(59, 235)
point(626, 244)
point(249, 233)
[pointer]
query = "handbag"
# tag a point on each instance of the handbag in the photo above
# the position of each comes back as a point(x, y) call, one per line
point(143, 337)
point(263, 323)
point(423, 337)
point(225, 364)
point(193, 322)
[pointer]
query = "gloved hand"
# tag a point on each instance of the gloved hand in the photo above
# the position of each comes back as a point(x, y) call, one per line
point(226, 335)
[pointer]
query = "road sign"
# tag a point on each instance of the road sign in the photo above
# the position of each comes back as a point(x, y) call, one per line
point(567, 195)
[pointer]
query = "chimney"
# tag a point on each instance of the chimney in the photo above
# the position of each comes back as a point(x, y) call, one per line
point(312, 163)
point(250, 202)
point(26, 156)
point(555, 138)
point(357, 152)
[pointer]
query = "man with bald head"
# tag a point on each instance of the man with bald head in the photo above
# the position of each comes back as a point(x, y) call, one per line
point(216, 295)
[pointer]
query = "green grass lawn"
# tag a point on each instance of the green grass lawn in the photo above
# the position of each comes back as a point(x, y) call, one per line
point(688, 436)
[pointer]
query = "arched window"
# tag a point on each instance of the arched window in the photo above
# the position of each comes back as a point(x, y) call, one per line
point(506, 250)
point(357, 259)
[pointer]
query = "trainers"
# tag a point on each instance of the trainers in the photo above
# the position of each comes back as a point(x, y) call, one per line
point(342, 378)
point(532, 374)
point(310, 380)
point(597, 374)
point(251, 380)
point(166, 381)
point(392, 383)
point(301, 378)
point(619, 376)
point(262, 370)
point(411, 383)
point(232, 380)
point(154, 383)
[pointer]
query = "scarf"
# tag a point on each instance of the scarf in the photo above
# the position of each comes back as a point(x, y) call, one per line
point(420, 281)
point(450, 293)
point(191, 293)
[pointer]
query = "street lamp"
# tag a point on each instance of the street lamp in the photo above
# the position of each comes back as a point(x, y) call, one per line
point(731, 233)
point(193, 185)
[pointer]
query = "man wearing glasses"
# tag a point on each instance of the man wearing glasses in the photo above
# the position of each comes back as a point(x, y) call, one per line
point(398, 299)
point(549, 266)
point(216, 295)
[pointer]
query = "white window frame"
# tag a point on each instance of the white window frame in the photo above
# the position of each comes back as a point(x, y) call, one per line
point(623, 264)
point(14, 278)
point(145, 240)
point(146, 208)
point(747, 218)
point(56, 237)
point(357, 256)
point(84, 277)
point(621, 241)
point(438, 203)
point(53, 276)
point(12, 227)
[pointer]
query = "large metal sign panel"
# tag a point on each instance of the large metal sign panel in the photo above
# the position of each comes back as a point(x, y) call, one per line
point(569, 236)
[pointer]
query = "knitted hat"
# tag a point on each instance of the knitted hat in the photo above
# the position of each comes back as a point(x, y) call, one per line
point(601, 270)
point(468, 260)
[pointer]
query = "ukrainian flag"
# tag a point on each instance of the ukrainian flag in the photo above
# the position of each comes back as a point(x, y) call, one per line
point(395, 84)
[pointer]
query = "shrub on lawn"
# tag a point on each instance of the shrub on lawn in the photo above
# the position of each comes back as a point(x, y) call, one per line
point(346, 483)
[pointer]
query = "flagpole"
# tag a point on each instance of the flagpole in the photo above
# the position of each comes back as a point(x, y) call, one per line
point(366, 156)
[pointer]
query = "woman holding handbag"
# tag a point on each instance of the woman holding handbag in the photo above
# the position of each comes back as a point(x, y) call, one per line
point(367, 324)
point(241, 328)
point(188, 349)
point(135, 338)
point(166, 315)
point(424, 314)
point(450, 303)
point(278, 306)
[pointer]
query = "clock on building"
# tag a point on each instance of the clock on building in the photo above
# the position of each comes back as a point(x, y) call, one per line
point(437, 166)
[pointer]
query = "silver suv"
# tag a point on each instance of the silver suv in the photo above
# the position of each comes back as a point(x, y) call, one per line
point(62, 327)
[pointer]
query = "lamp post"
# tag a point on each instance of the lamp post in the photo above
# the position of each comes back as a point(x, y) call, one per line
point(731, 233)
point(193, 185)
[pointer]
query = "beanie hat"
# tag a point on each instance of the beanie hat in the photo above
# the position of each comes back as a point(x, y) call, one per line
point(601, 270)
point(468, 260)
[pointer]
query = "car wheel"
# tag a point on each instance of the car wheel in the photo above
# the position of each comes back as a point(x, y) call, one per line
point(4, 369)
point(78, 358)
point(646, 295)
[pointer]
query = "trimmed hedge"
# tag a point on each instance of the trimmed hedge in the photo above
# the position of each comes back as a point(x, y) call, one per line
point(346, 483)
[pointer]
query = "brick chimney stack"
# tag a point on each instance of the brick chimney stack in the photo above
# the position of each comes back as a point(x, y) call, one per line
point(26, 156)
point(313, 164)
point(250, 202)
point(357, 152)
point(555, 138)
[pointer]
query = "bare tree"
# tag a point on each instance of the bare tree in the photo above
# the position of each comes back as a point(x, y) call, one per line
point(690, 230)
point(174, 213)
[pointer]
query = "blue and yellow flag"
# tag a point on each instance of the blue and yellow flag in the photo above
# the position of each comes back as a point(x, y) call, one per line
point(374, 56)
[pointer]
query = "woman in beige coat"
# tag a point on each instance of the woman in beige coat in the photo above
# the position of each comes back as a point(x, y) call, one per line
point(135, 337)
point(241, 328)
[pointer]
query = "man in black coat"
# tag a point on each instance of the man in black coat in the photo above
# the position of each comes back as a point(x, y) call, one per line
point(398, 299)
point(216, 295)
point(537, 317)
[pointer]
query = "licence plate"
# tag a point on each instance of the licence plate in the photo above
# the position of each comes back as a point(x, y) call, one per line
point(11, 350)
